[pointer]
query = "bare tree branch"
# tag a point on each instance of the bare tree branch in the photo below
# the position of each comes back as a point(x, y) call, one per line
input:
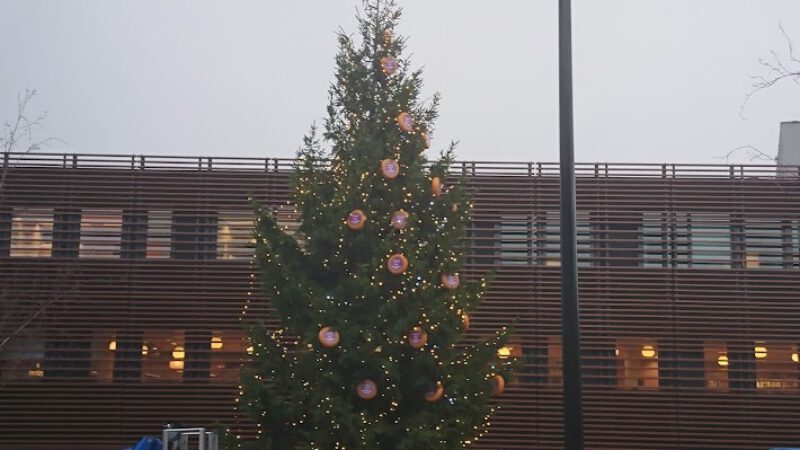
point(19, 135)
point(753, 154)
point(777, 69)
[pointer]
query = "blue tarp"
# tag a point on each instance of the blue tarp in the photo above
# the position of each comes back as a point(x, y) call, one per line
point(147, 443)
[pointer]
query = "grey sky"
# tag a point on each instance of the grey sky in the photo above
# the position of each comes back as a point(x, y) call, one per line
point(655, 80)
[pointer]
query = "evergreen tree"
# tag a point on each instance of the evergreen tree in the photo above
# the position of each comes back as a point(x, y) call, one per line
point(370, 300)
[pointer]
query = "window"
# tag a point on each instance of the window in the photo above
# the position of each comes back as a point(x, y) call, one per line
point(101, 232)
point(31, 232)
point(516, 239)
point(710, 240)
point(159, 232)
point(717, 363)
point(617, 240)
point(550, 251)
point(764, 244)
point(194, 235)
point(637, 362)
point(655, 237)
point(235, 236)
point(776, 365)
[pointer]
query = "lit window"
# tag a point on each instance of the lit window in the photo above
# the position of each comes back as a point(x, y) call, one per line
point(775, 367)
point(637, 361)
point(31, 232)
point(717, 365)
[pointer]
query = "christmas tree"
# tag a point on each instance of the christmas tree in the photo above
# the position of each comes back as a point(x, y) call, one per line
point(372, 306)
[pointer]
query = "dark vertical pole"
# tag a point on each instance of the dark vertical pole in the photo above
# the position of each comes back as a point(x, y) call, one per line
point(573, 407)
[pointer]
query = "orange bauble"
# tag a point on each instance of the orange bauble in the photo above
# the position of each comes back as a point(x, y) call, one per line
point(356, 219)
point(390, 169)
point(435, 394)
point(465, 321)
point(499, 385)
point(405, 122)
point(388, 65)
point(417, 338)
point(450, 281)
point(436, 187)
point(328, 337)
point(367, 389)
point(397, 264)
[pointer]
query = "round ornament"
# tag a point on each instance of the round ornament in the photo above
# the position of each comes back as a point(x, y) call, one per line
point(426, 139)
point(499, 385)
point(450, 281)
point(388, 65)
point(399, 219)
point(417, 338)
point(356, 219)
point(405, 121)
point(387, 36)
point(397, 264)
point(367, 389)
point(465, 321)
point(436, 187)
point(435, 394)
point(390, 169)
point(328, 337)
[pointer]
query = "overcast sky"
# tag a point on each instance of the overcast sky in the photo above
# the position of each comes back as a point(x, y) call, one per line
point(655, 80)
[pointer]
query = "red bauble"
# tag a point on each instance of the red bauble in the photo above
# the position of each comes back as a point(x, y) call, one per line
point(417, 338)
point(450, 281)
point(367, 389)
point(405, 122)
point(436, 187)
point(435, 394)
point(390, 169)
point(388, 65)
point(399, 219)
point(499, 384)
point(397, 264)
point(356, 219)
point(328, 337)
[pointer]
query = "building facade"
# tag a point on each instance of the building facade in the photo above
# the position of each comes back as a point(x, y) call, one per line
point(126, 283)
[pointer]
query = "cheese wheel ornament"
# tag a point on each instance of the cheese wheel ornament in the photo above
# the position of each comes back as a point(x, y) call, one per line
point(388, 65)
point(397, 264)
point(417, 338)
point(450, 281)
point(328, 337)
point(499, 385)
point(399, 219)
point(405, 122)
point(465, 321)
point(435, 394)
point(390, 169)
point(356, 219)
point(436, 187)
point(367, 389)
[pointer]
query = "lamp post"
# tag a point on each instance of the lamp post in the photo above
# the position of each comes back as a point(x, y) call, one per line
point(570, 318)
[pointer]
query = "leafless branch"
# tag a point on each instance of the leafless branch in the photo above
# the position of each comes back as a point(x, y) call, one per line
point(753, 154)
point(777, 68)
point(19, 135)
